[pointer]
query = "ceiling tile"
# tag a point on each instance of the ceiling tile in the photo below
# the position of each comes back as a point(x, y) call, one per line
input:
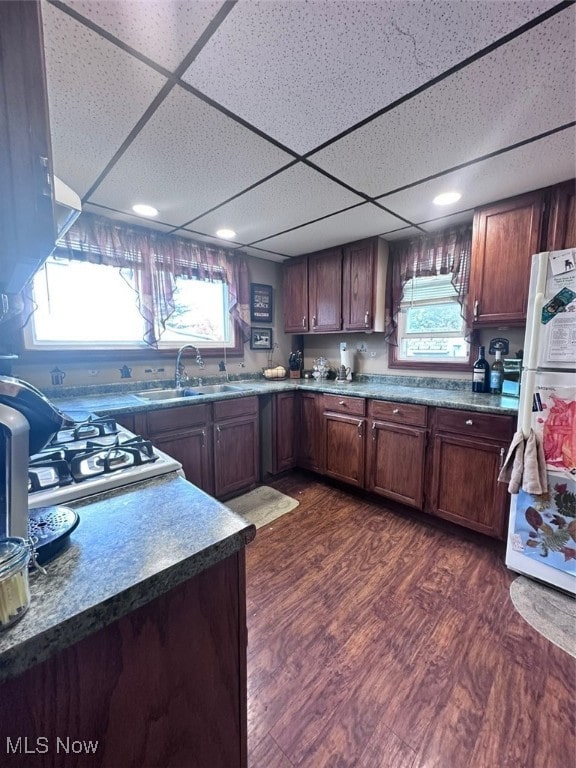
point(259, 253)
point(163, 31)
point(516, 92)
point(285, 66)
point(297, 194)
point(188, 158)
point(201, 238)
point(131, 219)
point(451, 220)
point(477, 182)
point(365, 221)
point(90, 115)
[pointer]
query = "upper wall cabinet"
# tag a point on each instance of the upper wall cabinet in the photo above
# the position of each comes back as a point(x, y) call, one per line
point(364, 287)
point(505, 236)
point(561, 225)
point(337, 289)
point(295, 293)
point(26, 217)
point(325, 291)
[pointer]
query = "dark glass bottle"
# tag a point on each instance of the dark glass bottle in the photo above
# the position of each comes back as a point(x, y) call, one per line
point(481, 373)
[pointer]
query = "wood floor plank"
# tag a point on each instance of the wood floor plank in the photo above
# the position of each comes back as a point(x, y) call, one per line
point(379, 639)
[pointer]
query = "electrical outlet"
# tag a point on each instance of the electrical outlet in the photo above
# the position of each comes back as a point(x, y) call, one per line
point(372, 354)
point(361, 347)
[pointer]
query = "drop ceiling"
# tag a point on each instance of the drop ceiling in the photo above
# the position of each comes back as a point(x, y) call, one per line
point(303, 125)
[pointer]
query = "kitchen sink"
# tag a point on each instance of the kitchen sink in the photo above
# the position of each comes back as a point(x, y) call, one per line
point(173, 394)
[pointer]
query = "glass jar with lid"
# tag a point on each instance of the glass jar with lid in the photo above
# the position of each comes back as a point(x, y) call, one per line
point(14, 587)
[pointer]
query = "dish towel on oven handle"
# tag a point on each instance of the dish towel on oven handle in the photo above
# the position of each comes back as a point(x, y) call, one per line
point(525, 465)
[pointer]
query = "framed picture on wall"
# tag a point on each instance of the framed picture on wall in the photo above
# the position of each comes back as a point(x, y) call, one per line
point(261, 338)
point(260, 303)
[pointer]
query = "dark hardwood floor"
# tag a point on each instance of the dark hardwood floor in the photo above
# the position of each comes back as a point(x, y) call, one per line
point(379, 640)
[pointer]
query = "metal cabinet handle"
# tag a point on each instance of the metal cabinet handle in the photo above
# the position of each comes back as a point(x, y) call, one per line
point(360, 432)
point(304, 322)
point(502, 455)
point(367, 319)
point(396, 410)
point(469, 422)
point(314, 323)
point(341, 402)
point(218, 430)
point(373, 430)
point(203, 433)
point(476, 308)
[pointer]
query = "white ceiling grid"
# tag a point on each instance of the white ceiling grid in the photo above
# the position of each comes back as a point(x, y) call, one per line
point(295, 123)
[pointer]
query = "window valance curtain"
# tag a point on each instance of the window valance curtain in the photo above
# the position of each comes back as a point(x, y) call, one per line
point(441, 253)
point(155, 259)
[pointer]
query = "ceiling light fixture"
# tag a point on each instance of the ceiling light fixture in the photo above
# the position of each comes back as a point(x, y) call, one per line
point(225, 234)
point(446, 198)
point(144, 210)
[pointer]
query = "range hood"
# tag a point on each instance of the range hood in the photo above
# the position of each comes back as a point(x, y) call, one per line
point(67, 207)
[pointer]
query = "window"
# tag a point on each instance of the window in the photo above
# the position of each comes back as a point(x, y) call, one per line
point(81, 305)
point(431, 328)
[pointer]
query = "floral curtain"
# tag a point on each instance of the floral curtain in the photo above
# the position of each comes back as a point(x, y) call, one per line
point(155, 260)
point(440, 253)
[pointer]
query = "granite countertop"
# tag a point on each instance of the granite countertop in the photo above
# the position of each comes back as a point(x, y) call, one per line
point(399, 389)
point(131, 546)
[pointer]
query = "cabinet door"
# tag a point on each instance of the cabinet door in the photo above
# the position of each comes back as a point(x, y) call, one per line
point(295, 295)
point(308, 440)
point(396, 460)
point(26, 216)
point(236, 455)
point(562, 219)
point(284, 422)
point(344, 447)
point(325, 291)
point(193, 449)
point(358, 286)
point(505, 237)
point(464, 483)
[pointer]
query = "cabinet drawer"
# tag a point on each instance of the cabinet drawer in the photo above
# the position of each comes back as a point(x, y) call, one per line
point(172, 419)
point(229, 409)
point(475, 424)
point(399, 413)
point(352, 405)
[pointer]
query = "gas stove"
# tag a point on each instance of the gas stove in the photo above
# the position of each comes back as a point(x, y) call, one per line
point(95, 456)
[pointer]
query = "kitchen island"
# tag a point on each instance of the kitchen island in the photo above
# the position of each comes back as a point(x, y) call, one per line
point(135, 640)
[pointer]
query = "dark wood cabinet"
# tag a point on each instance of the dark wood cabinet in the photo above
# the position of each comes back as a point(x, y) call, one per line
point(505, 236)
point(343, 436)
point(325, 291)
point(396, 451)
point(561, 224)
point(171, 687)
point(295, 295)
point(308, 438)
point(467, 453)
point(26, 216)
point(186, 434)
point(284, 430)
point(364, 285)
point(236, 446)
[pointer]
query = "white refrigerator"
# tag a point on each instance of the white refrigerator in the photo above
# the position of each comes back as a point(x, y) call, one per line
point(542, 528)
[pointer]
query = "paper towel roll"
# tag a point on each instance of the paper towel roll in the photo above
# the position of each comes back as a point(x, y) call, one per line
point(345, 358)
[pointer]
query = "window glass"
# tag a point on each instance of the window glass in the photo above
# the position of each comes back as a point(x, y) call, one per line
point(83, 305)
point(430, 323)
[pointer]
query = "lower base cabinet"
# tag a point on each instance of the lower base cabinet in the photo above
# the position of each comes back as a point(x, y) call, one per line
point(468, 450)
point(164, 686)
point(236, 446)
point(309, 438)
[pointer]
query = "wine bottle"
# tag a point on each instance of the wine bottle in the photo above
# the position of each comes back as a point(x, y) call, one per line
point(497, 374)
point(481, 373)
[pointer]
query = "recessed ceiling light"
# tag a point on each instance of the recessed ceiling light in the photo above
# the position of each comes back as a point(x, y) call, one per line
point(226, 234)
point(144, 210)
point(446, 198)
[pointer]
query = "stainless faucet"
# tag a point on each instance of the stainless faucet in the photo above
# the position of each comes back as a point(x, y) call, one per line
point(181, 376)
